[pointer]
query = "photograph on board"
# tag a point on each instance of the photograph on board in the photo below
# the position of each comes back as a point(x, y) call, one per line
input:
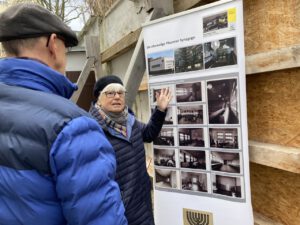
point(215, 22)
point(165, 137)
point(156, 90)
point(228, 162)
point(165, 178)
point(190, 114)
point(189, 59)
point(161, 63)
point(226, 185)
point(223, 101)
point(193, 181)
point(169, 115)
point(164, 157)
point(192, 159)
point(191, 137)
point(220, 53)
point(224, 138)
point(189, 92)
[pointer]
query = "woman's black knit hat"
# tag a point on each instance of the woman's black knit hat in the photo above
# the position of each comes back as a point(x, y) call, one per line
point(103, 82)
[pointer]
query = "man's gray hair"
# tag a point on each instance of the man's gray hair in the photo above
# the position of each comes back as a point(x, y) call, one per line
point(14, 47)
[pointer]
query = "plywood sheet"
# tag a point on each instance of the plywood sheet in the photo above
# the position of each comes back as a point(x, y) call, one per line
point(271, 24)
point(275, 194)
point(274, 107)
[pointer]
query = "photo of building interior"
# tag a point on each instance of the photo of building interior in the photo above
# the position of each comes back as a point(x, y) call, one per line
point(165, 137)
point(161, 63)
point(191, 137)
point(192, 114)
point(192, 159)
point(164, 157)
point(225, 185)
point(225, 162)
point(223, 138)
point(165, 178)
point(220, 53)
point(215, 22)
point(188, 92)
point(189, 58)
point(194, 181)
point(223, 107)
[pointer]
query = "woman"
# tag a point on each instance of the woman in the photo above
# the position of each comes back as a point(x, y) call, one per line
point(127, 135)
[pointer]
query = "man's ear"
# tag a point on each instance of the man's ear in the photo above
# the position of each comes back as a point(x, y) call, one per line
point(52, 45)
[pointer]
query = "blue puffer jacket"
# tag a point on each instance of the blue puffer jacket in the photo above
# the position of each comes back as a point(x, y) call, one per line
point(132, 175)
point(56, 166)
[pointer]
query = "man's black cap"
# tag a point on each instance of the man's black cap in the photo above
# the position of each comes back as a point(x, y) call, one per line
point(27, 20)
point(104, 81)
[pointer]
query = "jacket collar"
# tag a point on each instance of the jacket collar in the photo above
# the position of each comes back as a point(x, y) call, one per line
point(35, 75)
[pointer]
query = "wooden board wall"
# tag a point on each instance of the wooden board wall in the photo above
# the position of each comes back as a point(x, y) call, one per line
point(271, 24)
point(275, 194)
point(273, 103)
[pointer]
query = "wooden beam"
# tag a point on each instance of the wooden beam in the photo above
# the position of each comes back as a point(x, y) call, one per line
point(83, 78)
point(273, 60)
point(276, 156)
point(137, 65)
point(260, 219)
point(180, 5)
point(123, 45)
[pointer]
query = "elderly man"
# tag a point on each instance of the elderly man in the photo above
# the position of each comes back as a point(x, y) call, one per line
point(56, 166)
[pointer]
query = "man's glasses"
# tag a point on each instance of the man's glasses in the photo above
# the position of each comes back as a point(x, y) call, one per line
point(112, 94)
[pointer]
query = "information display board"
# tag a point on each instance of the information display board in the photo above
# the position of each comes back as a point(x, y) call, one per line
point(201, 162)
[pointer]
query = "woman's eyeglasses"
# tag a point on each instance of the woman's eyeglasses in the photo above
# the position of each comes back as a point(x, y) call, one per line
point(112, 94)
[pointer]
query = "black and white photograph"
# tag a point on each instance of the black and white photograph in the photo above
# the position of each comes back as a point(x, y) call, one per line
point(226, 185)
point(161, 63)
point(191, 137)
point(220, 53)
point(164, 157)
point(169, 115)
point(165, 178)
point(228, 162)
point(189, 59)
point(156, 89)
point(223, 138)
point(215, 22)
point(193, 181)
point(192, 159)
point(165, 137)
point(223, 104)
point(189, 92)
point(190, 114)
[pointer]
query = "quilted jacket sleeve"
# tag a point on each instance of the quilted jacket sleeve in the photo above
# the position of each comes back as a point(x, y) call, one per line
point(83, 164)
point(151, 130)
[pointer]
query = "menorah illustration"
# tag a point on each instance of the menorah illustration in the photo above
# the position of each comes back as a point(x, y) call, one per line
point(197, 218)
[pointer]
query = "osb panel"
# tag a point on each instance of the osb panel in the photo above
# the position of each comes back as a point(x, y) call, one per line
point(274, 107)
point(271, 24)
point(275, 194)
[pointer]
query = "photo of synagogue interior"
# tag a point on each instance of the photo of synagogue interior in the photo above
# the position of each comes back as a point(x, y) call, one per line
point(165, 178)
point(223, 102)
point(192, 159)
point(191, 137)
point(189, 92)
point(189, 58)
point(194, 181)
point(165, 137)
point(225, 162)
point(190, 114)
point(220, 53)
point(164, 157)
point(223, 138)
point(224, 185)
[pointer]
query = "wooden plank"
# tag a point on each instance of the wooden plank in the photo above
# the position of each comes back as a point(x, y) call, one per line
point(137, 65)
point(83, 78)
point(260, 219)
point(121, 46)
point(273, 60)
point(276, 156)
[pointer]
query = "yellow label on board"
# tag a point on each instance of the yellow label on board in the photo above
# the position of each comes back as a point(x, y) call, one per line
point(231, 15)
